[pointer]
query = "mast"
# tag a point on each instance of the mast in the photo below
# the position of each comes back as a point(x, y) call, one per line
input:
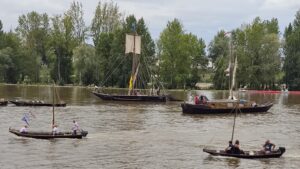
point(133, 45)
point(235, 114)
point(53, 95)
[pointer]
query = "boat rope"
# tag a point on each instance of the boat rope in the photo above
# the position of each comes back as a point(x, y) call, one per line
point(112, 72)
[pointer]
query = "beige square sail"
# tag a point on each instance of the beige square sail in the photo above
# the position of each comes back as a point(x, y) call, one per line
point(132, 41)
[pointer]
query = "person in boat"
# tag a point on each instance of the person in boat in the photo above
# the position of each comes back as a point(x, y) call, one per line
point(254, 104)
point(55, 129)
point(203, 99)
point(268, 146)
point(75, 127)
point(229, 148)
point(24, 129)
point(236, 148)
point(196, 99)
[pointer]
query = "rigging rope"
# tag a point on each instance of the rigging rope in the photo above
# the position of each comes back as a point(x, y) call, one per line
point(112, 71)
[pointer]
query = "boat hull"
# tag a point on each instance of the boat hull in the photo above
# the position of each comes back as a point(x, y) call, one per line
point(36, 103)
point(204, 109)
point(3, 103)
point(248, 154)
point(141, 98)
point(49, 135)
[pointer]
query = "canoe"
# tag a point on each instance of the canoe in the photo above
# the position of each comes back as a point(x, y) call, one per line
point(140, 98)
point(49, 135)
point(248, 154)
point(209, 109)
point(36, 103)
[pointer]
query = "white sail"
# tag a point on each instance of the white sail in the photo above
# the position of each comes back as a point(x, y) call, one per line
point(133, 44)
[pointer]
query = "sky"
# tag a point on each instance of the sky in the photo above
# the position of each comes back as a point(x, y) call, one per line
point(203, 18)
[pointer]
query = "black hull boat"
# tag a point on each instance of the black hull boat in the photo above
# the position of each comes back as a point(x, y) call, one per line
point(248, 154)
point(36, 103)
point(207, 109)
point(49, 135)
point(3, 102)
point(142, 98)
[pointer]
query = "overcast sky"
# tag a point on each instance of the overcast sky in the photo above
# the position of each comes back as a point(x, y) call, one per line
point(203, 18)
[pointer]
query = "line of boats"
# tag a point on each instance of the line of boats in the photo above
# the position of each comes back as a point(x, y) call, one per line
point(201, 105)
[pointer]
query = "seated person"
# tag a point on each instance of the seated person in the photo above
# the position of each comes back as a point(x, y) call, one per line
point(229, 148)
point(24, 129)
point(268, 146)
point(236, 148)
point(196, 99)
point(55, 130)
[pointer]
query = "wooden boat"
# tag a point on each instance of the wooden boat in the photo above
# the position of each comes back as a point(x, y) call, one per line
point(49, 135)
point(227, 106)
point(133, 49)
point(143, 98)
point(36, 103)
point(248, 154)
point(3, 102)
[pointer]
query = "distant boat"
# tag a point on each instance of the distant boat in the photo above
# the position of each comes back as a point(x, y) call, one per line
point(47, 134)
point(36, 103)
point(3, 102)
point(133, 45)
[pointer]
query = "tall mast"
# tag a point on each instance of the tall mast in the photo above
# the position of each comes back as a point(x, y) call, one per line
point(133, 42)
point(53, 95)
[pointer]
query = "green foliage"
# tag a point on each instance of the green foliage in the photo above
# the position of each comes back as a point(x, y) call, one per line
point(84, 64)
point(181, 56)
point(292, 54)
point(256, 46)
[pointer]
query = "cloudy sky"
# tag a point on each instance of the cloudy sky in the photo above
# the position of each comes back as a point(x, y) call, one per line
point(201, 17)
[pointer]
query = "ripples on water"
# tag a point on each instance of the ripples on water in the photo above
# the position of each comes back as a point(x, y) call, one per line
point(126, 135)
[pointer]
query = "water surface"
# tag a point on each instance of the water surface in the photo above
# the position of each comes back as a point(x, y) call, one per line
point(144, 135)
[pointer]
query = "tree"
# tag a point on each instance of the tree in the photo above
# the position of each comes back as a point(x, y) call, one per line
point(34, 30)
point(76, 14)
point(291, 50)
point(219, 46)
point(181, 56)
point(84, 64)
point(107, 19)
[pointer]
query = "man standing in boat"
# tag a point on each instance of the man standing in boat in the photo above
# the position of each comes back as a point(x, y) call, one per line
point(75, 127)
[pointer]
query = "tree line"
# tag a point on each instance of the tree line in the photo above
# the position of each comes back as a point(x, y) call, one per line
point(43, 48)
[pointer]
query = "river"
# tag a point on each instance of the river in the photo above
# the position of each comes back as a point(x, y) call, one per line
point(144, 135)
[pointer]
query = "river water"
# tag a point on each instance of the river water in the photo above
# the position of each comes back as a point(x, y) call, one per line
point(139, 135)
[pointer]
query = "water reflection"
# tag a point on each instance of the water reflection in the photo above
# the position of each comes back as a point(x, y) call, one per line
point(233, 162)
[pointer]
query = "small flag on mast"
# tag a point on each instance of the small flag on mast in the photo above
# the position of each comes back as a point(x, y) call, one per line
point(25, 118)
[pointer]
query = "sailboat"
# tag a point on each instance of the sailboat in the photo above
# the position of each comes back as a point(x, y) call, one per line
point(246, 154)
point(49, 135)
point(133, 46)
point(205, 106)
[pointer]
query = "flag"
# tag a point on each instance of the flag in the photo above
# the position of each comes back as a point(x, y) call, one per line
point(130, 82)
point(25, 118)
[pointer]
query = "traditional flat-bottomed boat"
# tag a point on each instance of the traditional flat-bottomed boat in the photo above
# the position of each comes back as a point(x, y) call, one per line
point(226, 106)
point(248, 154)
point(36, 103)
point(3, 102)
point(49, 135)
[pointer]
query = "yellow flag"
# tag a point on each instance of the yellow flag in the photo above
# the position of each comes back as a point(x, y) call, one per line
point(130, 82)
